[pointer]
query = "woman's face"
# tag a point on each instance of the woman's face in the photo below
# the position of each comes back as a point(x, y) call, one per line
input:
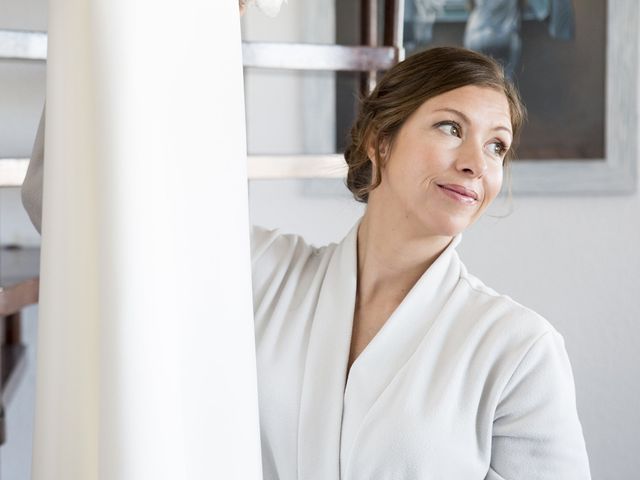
point(445, 165)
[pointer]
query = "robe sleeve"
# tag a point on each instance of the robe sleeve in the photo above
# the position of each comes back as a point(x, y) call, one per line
point(275, 257)
point(536, 431)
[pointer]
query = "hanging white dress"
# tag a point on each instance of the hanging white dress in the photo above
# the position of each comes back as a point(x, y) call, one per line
point(460, 383)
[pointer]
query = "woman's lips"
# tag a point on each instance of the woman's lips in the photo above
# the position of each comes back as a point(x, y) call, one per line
point(460, 193)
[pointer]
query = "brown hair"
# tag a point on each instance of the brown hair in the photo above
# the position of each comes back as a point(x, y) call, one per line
point(402, 90)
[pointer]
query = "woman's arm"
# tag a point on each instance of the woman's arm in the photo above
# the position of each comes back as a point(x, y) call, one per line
point(536, 431)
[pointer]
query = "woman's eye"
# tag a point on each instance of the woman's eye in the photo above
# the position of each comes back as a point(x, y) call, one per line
point(450, 128)
point(498, 148)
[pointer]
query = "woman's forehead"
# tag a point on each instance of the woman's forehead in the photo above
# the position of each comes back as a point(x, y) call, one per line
point(474, 103)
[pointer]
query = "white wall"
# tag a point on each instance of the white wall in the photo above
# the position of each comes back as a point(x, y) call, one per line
point(573, 259)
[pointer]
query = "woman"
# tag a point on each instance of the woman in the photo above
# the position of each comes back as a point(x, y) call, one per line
point(381, 357)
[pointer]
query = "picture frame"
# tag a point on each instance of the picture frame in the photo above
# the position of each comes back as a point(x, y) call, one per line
point(616, 173)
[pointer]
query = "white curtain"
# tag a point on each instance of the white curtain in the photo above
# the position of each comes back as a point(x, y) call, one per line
point(146, 362)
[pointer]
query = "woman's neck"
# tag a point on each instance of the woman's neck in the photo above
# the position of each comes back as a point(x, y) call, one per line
point(392, 256)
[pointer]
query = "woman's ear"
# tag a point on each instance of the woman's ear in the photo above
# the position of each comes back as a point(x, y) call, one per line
point(383, 148)
point(371, 153)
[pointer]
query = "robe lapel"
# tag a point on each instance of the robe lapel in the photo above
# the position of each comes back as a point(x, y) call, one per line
point(326, 366)
point(395, 343)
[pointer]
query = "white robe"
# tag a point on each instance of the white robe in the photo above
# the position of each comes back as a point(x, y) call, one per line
point(460, 383)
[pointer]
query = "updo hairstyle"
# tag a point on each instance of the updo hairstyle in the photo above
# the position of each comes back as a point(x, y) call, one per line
point(402, 90)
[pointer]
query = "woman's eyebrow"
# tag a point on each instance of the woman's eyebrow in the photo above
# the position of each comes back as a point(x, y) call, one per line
point(466, 119)
point(456, 112)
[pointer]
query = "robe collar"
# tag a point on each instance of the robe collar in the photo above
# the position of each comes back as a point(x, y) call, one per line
point(323, 424)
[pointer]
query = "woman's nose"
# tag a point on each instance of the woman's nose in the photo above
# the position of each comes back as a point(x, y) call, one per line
point(471, 159)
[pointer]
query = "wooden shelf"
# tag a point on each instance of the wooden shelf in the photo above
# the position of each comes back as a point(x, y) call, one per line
point(259, 167)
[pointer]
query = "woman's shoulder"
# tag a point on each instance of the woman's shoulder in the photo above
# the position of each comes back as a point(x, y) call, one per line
point(283, 259)
point(275, 245)
point(503, 312)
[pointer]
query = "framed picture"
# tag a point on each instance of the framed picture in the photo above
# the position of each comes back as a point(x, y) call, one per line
point(575, 63)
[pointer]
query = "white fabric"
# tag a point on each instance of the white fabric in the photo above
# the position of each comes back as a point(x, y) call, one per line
point(144, 303)
point(460, 383)
point(270, 7)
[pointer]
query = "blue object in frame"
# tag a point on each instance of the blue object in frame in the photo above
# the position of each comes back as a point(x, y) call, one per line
point(492, 26)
